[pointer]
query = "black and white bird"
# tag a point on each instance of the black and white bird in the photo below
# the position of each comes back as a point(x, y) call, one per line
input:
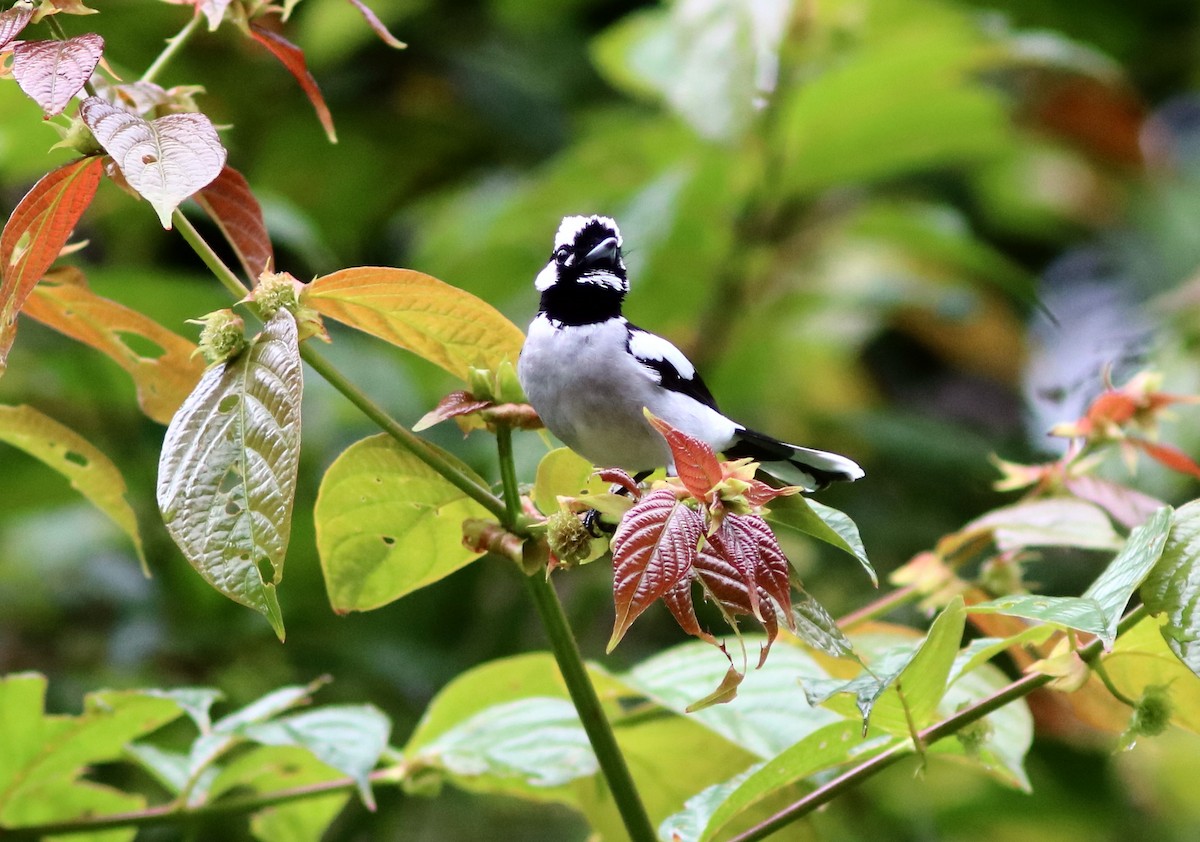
point(588, 372)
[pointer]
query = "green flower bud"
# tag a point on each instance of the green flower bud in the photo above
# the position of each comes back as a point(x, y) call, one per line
point(222, 337)
point(568, 538)
point(1153, 712)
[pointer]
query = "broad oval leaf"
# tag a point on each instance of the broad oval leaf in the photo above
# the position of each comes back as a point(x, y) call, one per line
point(563, 473)
point(1173, 586)
point(1052, 522)
point(165, 160)
point(1061, 611)
point(292, 57)
point(387, 524)
point(441, 323)
point(1142, 550)
point(825, 523)
point(162, 363)
point(90, 472)
point(14, 19)
point(36, 233)
point(696, 464)
point(231, 204)
point(653, 550)
point(227, 474)
point(52, 72)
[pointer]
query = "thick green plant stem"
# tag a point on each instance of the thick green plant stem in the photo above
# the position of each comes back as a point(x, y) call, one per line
point(951, 725)
point(571, 666)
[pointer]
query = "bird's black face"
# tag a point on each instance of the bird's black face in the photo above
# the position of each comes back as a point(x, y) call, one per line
point(585, 280)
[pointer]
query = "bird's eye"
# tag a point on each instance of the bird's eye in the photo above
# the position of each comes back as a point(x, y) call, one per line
point(561, 254)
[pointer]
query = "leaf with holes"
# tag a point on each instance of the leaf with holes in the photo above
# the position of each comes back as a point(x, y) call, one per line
point(52, 72)
point(653, 550)
point(35, 234)
point(165, 160)
point(441, 323)
point(13, 20)
point(695, 463)
point(161, 363)
point(387, 524)
point(292, 58)
point(90, 472)
point(1173, 586)
point(231, 204)
point(227, 474)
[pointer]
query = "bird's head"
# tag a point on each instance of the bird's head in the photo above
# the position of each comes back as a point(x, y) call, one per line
point(584, 281)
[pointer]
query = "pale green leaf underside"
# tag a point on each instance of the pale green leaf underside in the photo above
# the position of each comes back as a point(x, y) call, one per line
point(1173, 586)
point(227, 474)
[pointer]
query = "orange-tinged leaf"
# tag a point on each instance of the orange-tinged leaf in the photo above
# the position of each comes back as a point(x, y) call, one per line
point(441, 323)
point(52, 72)
point(36, 233)
point(653, 550)
point(13, 20)
point(231, 204)
point(292, 57)
point(453, 405)
point(67, 7)
point(1166, 455)
point(161, 363)
point(695, 462)
point(377, 25)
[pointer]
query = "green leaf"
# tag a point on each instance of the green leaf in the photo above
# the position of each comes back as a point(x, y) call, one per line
point(227, 474)
point(1054, 522)
point(817, 629)
point(387, 524)
point(443, 324)
point(1144, 657)
point(90, 472)
point(349, 738)
point(563, 473)
point(1125, 574)
point(1060, 611)
point(1173, 586)
point(981, 650)
point(825, 523)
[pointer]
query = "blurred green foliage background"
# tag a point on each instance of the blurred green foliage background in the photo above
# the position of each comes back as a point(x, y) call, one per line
point(854, 215)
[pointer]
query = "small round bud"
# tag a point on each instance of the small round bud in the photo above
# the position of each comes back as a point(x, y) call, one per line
point(222, 337)
point(1153, 712)
point(974, 737)
point(568, 538)
point(275, 290)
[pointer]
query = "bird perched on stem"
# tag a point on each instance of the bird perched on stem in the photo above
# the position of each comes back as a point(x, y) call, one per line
point(589, 373)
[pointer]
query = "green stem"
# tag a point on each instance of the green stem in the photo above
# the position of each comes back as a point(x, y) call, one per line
point(881, 606)
point(211, 259)
point(591, 714)
point(947, 727)
point(508, 476)
point(169, 51)
point(60, 34)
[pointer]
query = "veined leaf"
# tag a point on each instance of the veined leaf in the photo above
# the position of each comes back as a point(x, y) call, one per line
point(1053, 522)
point(1062, 611)
point(292, 58)
point(1124, 505)
point(1125, 574)
point(1145, 657)
point(695, 462)
point(443, 324)
point(36, 233)
point(90, 472)
point(231, 204)
point(52, 72)
point(813, 625)
point(14, 19)
point(1173, 586)
point(163, 379)
point(227, 474)
point(387, 524)
point(165, 160)
point(825, 523)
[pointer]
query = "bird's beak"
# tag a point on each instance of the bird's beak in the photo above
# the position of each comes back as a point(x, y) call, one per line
point(605, 254)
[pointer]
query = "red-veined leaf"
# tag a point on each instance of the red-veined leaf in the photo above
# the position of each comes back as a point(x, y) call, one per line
point(377, 25)
point(452, 406)
point(748, 545)
point(1166, 455)
point(653, 550)
point(231, 204)
point(679, 602)
point(723, 583)
point(165, 160)
point(292, 57)
point(162, 363)
point(695, 463)
point(13, 20)
point(52, 72)
point(36, 233)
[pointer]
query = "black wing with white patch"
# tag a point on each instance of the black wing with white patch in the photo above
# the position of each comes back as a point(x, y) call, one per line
point(668, 365)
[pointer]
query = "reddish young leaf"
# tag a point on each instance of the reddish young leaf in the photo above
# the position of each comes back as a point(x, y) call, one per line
point(13, 20)
point(724, 583)
point(231, 204)
point(292, 57)
point(376, 24)
point(1166, 455)
point(451, 406)
point(746, 544)
point(679, 602)
point(695, 463)
point(36, 232)
point(616, 476)
point(52, 72)
point(653, 550)
point(163, 364)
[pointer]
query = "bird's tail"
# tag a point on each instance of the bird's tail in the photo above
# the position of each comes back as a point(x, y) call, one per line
point(811, 469)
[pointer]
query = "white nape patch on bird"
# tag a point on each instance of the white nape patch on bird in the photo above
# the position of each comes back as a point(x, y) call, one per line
point(570, 227)
point(648, 346)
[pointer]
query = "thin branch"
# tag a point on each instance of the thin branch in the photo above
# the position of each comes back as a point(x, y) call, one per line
point(173, 46)
point(885, 604)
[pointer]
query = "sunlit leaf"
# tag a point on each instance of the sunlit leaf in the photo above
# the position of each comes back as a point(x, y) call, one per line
point(825, 523)
point(1125, 574)
point(561, 473)
point(36, 232)
point(227, 474)
point(162, 363)
point(813, 625)
point(441, 323)
point(1145, 657)
point(230, 203)
point(1173, 586)
point(653, 550)
point(90, 472)
point(52, 72)
point(14, 19)
point(292, 58)
point(165, 160)
point(387, 524)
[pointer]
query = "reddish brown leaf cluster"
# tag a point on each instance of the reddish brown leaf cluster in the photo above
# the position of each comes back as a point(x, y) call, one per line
point(705, 527)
